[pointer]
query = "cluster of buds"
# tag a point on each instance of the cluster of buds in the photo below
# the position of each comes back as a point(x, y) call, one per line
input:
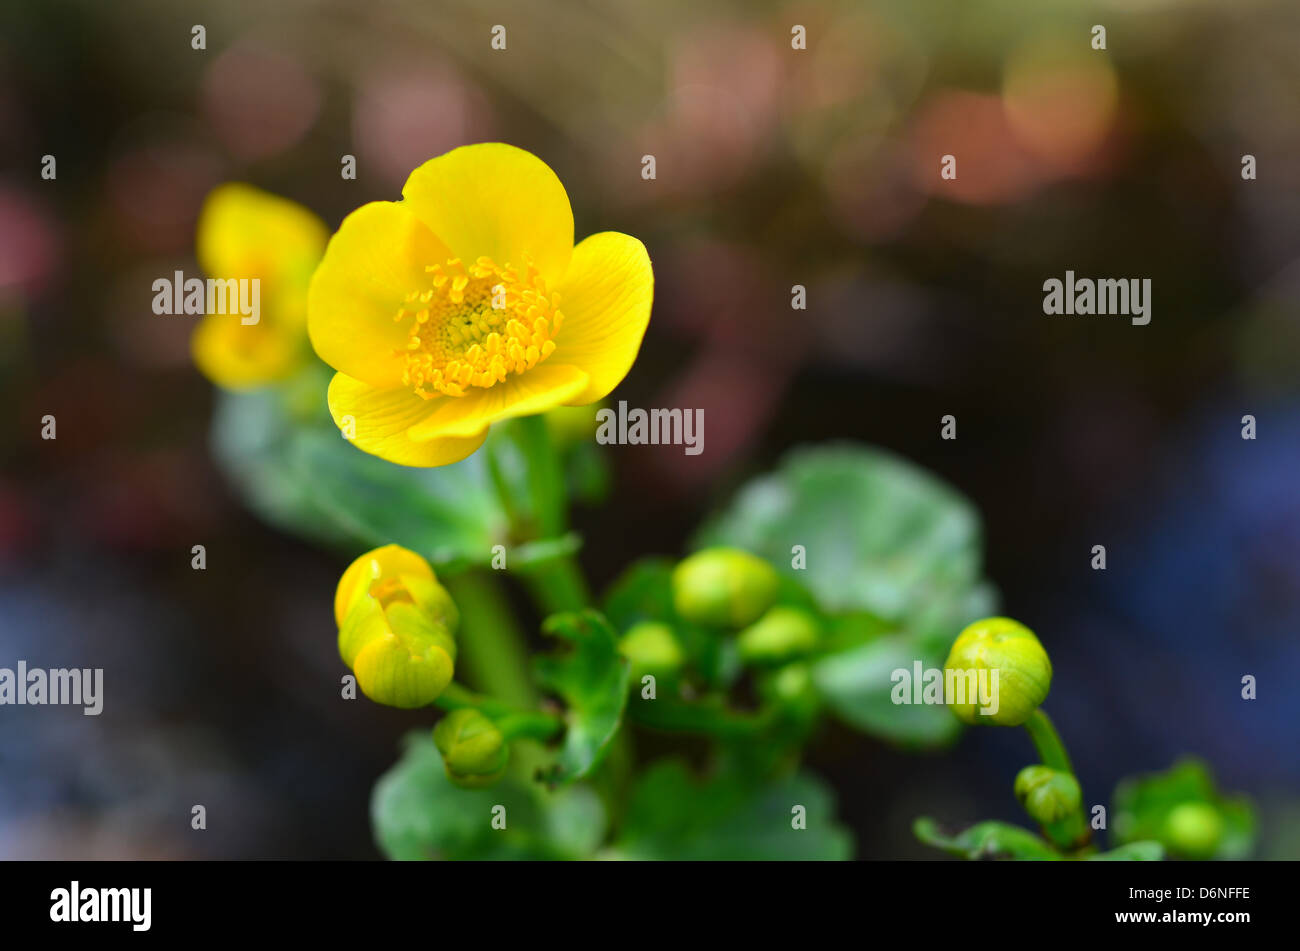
point(727, 608)
point(726, 588)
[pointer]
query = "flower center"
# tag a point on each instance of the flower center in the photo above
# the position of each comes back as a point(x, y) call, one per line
point(476, 325)
point(389, 591)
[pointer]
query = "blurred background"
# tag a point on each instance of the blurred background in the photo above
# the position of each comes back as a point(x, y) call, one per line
point(775, 167)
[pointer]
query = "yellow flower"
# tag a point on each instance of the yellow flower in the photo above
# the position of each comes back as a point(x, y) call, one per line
point(467, 303)
point(246, 233)
point(395, 627)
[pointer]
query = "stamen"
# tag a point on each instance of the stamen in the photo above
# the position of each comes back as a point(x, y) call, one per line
point(476, 325)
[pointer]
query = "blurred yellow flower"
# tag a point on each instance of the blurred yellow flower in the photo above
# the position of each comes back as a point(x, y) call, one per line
point(245, 234)
point(467, 303)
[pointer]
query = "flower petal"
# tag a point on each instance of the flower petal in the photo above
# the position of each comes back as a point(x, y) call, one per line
point(605, 299)
point(543, 387)
point(383, 417)
point(237, 355)
point(246, 232)
point(388, 561)
point(496, 200)
point(377, 256)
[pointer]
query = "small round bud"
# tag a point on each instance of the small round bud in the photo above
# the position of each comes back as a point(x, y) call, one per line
point(1003, 659)
point(395, 627)
point(1194, 829)
point(781, 634)
point(792, 687)
point(723, 587)
point(652, 648)
point(1047, 794)
point(473, 748)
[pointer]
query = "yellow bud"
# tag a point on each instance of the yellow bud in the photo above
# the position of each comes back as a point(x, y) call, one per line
point(1019, 671)
point(386, 564)
point(723, 587)
point(395, 627)
point(474, 750)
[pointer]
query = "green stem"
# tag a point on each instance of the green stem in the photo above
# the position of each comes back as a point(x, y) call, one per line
point(1072, 832)
point(525, 728)
point(514, 723)
point(457, 697)
point(532, 726)
point(502, 486)
point(491, 649)
point(545, 476)
point(557, 584)
point(715, 721)
point(1048, 742)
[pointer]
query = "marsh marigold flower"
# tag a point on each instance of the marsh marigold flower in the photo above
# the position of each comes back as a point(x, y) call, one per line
point(396, 626)
point(248, 234)
point(467, 302)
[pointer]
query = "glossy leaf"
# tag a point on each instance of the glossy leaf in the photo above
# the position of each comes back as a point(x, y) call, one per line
point(674, 815)
point(856, 684)
point(418, 813)
point(1142, 807)
point(879, 534)
point(591, 677)
point(1133, 852)
point(987, 840)
point(304, 477)
point(643, 592)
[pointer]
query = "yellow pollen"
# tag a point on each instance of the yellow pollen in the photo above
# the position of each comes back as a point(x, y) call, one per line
point(476, 325)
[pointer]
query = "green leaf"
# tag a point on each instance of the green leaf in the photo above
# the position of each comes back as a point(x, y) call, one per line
point(575, 820)
point(418, 814)
point(251, 434)
point(302, 475)
point(857, 685)
point(889, 548)
point(987, 840)
point(673, 815)
point(643, 592)
point(592, 680)
point(880, 534)
point(1143, 806)
point(1145, 851)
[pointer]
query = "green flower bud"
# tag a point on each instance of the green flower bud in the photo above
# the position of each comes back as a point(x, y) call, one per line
point(1194, 829)
point(1047, 794)
point(792, 687)
point(395, 627)
point(473, 748)
point(723, 587)
point(1019, 673)
point(779, 635)
point(652, 648)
